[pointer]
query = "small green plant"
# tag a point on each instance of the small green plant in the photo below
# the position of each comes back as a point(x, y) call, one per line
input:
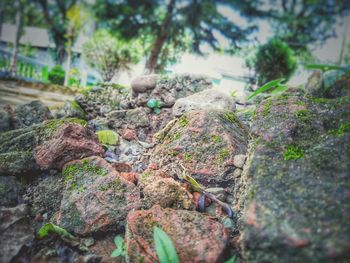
point(274, 85)
point(343, 128)
point(154, 104)
point(324, 67)
point(183, 121)
point(293, 152)
point(302, 115)
point(231, 260)
point(48, 228)
point(233, 93)
point(107, 137)
point(56, 75)
point(120, 247)
point(165, 249)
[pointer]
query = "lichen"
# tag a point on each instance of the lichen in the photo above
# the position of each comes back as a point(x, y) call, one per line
point(223, 154)
point(293, 152)
point(188, 157)
point(216, 138)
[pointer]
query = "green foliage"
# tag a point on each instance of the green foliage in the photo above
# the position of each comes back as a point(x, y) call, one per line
point(293, 152)
point(28, 50)
point(107, 137)
point(165, 249)
point(48, 228)
point(231, 260)
point(275, 85)
point(120, 247)
point(154, 104)
point(197, 187)
point(324, 67)
point(109, 54)
point(183, 121)
point(274, 60)
point(56, 75)
point(267, 106)
point(343, 128)
point(302, 115)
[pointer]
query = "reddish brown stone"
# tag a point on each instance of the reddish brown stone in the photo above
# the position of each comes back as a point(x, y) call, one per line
point(196, 237)
point(122, 167)
point(129, 134)
point(69, 142)
point(131, 177)
point(153, 166)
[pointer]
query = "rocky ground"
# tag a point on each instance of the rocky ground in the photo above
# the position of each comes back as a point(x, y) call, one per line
point(279, 172)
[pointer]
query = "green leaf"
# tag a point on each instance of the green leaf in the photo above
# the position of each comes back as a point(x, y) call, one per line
point(267, 86)
point(231, 260)
point(107, 137)
point(120, 247)
point(48, 228)
point(195, 185)
point(165, 249)
point(323, 67)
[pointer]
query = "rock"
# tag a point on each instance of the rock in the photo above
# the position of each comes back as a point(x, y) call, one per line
point(205, 100)
point(196, 237)
point(59, 143)
point(29, 114)
point(239, 160)
point(129, 152)
point(131, 177)
point(204, 142)
point(165, 192)
point(294, 193)
point(133, 118)
point(129, 134)
point(16, 232)
point(98, 102)
point(71, 109)
point(17, 152)
point(5, 121)
point(44, 196)
point(331, 84)
point(168, 89)
point(98, 124)
point(122, 167)
point(143, 83)
point(95, 198)
point(10, 191)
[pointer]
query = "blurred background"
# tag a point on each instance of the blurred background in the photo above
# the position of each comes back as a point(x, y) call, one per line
point(238, 44)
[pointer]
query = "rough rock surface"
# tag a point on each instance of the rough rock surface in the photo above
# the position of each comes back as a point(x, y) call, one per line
point(168, 89)
point(209, 99)
point(5, 119)
point(101, 100)
point(63, 143)
point(196, 237)
point(15, 231)
point(295, 189)
point(10, 191)
point(95, 197)
point(165, 192)
point(29, 114)
point(17, 151)
point(205, 143)
point(71, 109)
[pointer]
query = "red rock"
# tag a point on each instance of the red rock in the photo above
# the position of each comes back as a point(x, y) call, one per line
point(122, 167)
point(69, 142)
point(129, 134)
point(196, 237)
point(153, 166)
point(131, 177)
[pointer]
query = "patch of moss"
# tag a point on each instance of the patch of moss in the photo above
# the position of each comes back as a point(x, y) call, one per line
point(183, 121)
point(343, 128)
point(266, 108)
point(107, 137)
point(302, 115)
point(188, 157)
point(231, 117)
point(223, 154)
point(216, 138)
point(173, 136)
point(145, 175)
point(293, 152)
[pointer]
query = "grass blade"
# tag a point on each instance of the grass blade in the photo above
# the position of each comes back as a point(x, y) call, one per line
point(266, 87)
point(165, 249)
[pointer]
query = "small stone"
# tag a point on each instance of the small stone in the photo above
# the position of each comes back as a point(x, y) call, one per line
point(153, 166)
point(129, 134)
point(131, 177)
point(237, 173)
point(122, 167)
point(239, 160)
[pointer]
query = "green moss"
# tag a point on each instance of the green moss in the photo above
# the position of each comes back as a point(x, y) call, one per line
point(183, 121)
point(216, 138)
point(266, 108)
point(115, 184)
point(173, 136)
point(188, 157)
point(107, 137)
point(231, 117)
point(343, 128)
point(293, 152)
point(145, 175)
point(302, 115)
point(223, 154)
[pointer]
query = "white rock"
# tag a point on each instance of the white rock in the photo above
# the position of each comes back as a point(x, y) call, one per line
point(209, 99)
point(239, 160)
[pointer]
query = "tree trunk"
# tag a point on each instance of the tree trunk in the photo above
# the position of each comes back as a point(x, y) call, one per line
point(341, 55)
point(18, 33)
point(161, 39)
point(69, 59)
